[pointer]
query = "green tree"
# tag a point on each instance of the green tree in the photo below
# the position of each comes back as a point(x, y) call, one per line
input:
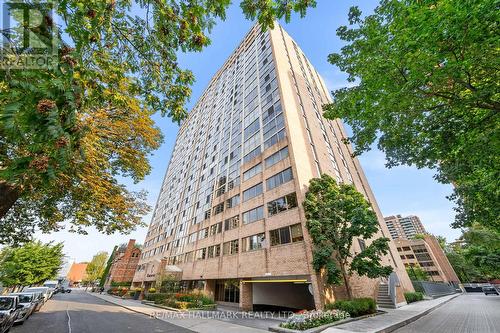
point(70, 131)
point(482, 251)
point(416, 273)
point(95, 268)
point(31, 264)
point(337, 215)
point(425, 88)
point(108, 267)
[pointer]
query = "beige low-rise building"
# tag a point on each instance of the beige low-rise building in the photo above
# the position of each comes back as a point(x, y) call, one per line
point(229, 217)
point(426, 252)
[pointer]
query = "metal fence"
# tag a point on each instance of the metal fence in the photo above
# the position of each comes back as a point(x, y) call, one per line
point(434, 289)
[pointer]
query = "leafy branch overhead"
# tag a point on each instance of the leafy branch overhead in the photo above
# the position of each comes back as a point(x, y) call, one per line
point(337, 215)
point(426, 90)
point(68, 132)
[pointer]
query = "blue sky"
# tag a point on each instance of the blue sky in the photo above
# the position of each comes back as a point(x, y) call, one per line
point(401, 190)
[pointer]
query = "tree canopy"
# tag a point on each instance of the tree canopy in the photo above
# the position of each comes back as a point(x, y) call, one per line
point(337, 215)
point(96, 267)
point(31, 264)
point(70, 130)
point(425, 78)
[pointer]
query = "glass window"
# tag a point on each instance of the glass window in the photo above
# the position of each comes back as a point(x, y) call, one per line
point(213, 251)
point(252, 192)
point(276, 157)
point(281, 204)
point(232, 202)
point(279, 179)
point(286, 235)
point(253, 215)
point(252, 172)
point(201, 254)
point(203, 233)
point(232, 223)
point(251, 243)
point(251, 155)
point(215, 229)
point(230, 247)
point(219, 208)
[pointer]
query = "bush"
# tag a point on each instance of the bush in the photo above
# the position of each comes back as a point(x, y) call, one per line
point(309, 319)
point(413, 297)
point(356, 307)
point(157, 297)
point(152, 290)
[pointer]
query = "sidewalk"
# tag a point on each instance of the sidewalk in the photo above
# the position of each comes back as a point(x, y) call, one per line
point(197, 324)
point(393, 319)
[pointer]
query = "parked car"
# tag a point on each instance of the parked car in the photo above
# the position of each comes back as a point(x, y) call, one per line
point(9, 310)
point(64, 290)
point(490, 290)
point(29, 302)
point(44, 290)
point(38, 300)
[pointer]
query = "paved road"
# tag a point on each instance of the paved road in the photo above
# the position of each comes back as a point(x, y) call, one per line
point(80, 312)
point(469, 313)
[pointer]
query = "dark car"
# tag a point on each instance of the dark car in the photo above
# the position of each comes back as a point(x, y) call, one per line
point(490, 290)
point(9, 311)
point(29, 302)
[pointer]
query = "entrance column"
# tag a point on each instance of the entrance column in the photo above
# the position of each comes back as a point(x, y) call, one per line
point(246, 296)
point(209, 289)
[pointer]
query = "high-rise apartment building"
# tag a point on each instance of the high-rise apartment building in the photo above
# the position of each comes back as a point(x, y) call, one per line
point(404, 227)
point(426, 252)
point(229, 217)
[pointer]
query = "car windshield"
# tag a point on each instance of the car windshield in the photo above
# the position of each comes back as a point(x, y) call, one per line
point(6, 303)
point(24, 298)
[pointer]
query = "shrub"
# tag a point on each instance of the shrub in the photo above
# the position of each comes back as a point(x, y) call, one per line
point(309, 319)
point(152, 290)
point(157, 297)
point(413, 297)
point(356, 307)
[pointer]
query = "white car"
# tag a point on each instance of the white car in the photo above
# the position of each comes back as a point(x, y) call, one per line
point(28, 301)
point(44, 290)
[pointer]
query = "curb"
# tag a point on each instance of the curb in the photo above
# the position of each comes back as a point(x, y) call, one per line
point(123, 306)
point(403, 323)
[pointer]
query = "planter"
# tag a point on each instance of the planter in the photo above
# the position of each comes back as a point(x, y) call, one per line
point(278, 329)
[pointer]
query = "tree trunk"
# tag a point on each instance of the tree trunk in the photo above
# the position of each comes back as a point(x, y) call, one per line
point(346, 282)
point(8, 196)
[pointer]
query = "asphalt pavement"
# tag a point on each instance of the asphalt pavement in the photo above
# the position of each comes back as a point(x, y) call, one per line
point(79, 312)
point(469, 313)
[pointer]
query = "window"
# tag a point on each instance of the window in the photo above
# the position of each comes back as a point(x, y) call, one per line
point(252, 128)
point(232, 222)
point(252, 192)
point(192, 237)
point(215, 229)
point(219, 208)
point(207, 214)
point(289, 234)
point(279, 179)
point(232, 202)
point(230, 247)
point(253, 215)
point(252, 172)
point(213, 251)
point(201, 254)
point(276, 157)
point(281, 204)
point(203, 233)
point(362, 244)
point(275, 139)
point(252, 243)
point(251, 155)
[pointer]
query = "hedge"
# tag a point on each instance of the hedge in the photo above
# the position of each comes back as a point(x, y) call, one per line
point(356, 307)
point(413, 297)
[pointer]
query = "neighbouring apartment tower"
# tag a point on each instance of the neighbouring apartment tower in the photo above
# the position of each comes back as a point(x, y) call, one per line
point(404, 227)
point(124, 264)
point(229, 218)
point(426, 252)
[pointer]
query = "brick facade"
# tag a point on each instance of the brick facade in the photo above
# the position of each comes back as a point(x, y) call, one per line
point(124, 263)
